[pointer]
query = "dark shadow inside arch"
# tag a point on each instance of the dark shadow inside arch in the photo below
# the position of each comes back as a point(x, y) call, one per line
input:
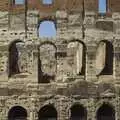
point(13, 59)
point(43, 76)
point(78, 112)
point(106, 112)
point(108, 69)
point(17, 113)
point(47, 113)
point(84, 59)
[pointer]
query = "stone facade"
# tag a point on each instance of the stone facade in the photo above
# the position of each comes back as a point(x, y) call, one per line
point(78, 67)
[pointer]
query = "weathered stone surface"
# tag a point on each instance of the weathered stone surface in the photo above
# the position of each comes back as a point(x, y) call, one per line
point(79, 66)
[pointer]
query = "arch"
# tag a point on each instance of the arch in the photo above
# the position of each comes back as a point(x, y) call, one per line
point(76, 40)
point(48, 18)
point(78, 112)
point(76, 52)
point(47, 112)
point(48, 42)
point(47, 62)
point(13, 67)
point(14, 42)
point(106, 112)
point(104, 58)
point(47, 28)
point(17, 113)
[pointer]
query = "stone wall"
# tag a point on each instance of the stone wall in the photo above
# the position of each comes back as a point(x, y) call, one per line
point(71, 68)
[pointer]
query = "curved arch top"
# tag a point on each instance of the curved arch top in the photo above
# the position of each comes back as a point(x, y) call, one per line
point(77, 40)
point(104, 58)
point(51, 19)
point(105, 41)
point(17, 112)
point(76, 53)
point(106, 112)
point(14, 42)
point(47, 112)
point(14, 58)
point(78, 112)
point(47, 28)
point(48, 43)
point(47, 62)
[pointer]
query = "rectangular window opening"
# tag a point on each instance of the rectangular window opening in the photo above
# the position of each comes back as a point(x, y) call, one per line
point(47, 2)
point(19, 2)
point(102, 6)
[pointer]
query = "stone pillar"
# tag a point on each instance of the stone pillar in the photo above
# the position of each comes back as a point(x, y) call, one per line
point(91, 112)
point(3, 115)
point(4, 66)
point(117, 109)
point(61, 22)
point(63, 113)
point(90, 64)
point(117, 60)
point(33, 115)
point(34, 76)
point(3, 111)
point(4, 118)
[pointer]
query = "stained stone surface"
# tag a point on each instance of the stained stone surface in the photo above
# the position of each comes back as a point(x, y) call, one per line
point(72, 75)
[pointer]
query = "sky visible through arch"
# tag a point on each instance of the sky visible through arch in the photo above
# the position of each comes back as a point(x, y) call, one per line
point(48, 28)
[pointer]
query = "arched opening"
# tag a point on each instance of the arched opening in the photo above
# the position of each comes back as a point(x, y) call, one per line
point(78, 112)
point(47, 29)
point(76, 58)
point(106, 112)
point(17, 113)
point(102, 5)
point(104, 58)
point(48, 113)
point(14, 57)
point(47, 62)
